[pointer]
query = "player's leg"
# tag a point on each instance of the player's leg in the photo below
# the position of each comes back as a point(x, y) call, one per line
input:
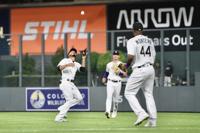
point(165, 81)
point(72, 96)
point(169, 81)
point(63, 109)
point(150, 103)
point(133, 85)
point(116, 99)
point(109, 91)
point(77, 97)
point(115, 108)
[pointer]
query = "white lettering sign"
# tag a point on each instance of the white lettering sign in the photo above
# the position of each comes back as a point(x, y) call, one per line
point(175, 40)
point(76, 29)
point(164, 17)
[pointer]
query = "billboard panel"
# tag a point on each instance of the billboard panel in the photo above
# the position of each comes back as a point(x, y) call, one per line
point(52, 21)
point(5, 28)
point(49, 99)
point(160, 15)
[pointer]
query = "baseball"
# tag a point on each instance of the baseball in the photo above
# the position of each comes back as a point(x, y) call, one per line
point(82, 12)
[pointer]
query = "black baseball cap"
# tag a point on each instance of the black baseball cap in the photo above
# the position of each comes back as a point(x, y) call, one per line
point(72, 49)
point(137, 26)
point(115, 52)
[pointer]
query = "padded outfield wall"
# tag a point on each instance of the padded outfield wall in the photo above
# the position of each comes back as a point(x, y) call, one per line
point(173, 99)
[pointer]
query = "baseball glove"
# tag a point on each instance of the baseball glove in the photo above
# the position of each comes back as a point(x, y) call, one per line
point(122, 67)
point(116, 69)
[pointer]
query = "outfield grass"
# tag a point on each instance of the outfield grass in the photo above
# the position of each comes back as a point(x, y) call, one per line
point(95, 122)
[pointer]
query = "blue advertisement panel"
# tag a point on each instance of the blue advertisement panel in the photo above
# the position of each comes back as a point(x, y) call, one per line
point(49, 99)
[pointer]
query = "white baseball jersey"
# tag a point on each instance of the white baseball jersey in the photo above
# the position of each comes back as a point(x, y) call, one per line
point(69, 72)
point(143, 49)
point(110, 69)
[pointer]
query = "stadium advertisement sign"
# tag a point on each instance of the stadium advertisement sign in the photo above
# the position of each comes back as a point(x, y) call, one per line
point(4, 29)
point(49, 99)
point(161, 15)
point(53, 21)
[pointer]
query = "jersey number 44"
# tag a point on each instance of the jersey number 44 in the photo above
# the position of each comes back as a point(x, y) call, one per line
point(146, 51)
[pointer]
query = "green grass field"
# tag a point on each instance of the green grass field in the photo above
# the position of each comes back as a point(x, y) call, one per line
point(95, 122)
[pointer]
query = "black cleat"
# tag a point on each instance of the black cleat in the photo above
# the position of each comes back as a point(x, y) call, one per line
point(107, 115)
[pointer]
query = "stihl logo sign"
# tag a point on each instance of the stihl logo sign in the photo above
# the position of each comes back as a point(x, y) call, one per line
point(76, 29)
point(161, 18)
point(53, 23)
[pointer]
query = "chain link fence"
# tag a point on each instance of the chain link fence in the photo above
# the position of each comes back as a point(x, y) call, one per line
point(26, 63)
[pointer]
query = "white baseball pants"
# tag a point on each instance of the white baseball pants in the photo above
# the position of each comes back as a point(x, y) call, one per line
point(167, 81)
point(113, 92)
point(141, 78)
point(72, 96)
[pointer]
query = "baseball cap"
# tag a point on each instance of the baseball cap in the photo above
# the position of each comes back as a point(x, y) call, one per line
point(115, 52)
point(72, 49)
point(137, 26)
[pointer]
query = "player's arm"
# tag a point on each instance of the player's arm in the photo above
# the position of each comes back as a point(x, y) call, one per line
point(129, 60)
point(82, 69)
point(153, 51)
point(131, 52)
point(83, 64)
point(105, 76)
point(64, 63)
point(61, 67)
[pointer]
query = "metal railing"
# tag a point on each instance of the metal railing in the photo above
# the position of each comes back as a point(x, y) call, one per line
point(111, 45)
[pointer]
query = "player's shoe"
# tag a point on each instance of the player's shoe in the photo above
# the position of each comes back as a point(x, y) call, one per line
point(107, 115)
point(60, 120)
point(114, 114)
point(141, 118)
point(150, 123)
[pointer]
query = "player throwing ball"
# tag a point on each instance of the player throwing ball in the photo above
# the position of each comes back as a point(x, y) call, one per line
point(141, 53)
point(69, 67)
point(113, 78)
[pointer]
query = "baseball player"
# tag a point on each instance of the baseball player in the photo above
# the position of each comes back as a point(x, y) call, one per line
point(141, 52)
point(69, 67)
point(113, 77)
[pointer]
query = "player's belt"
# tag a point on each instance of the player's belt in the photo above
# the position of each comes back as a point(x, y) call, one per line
point(145, 65)
point(70, 80)
point(114, 80)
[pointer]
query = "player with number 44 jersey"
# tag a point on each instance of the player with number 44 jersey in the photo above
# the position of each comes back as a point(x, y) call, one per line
point(141, 55)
